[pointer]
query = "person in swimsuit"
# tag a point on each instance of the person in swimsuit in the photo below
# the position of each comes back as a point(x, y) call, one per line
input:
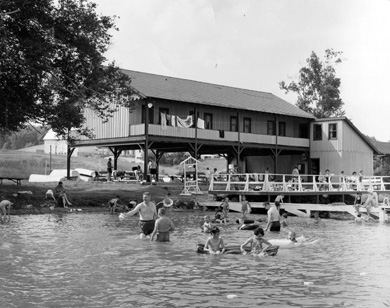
point(215, 244)
point(162, 227)
point(372, 200)
point(60, 194)
point(5, 209)
point(278, 201)
point(358, 202)
point(147, 215)
point(207, 225)
point(283, 222)
point(273, 222)
point(256, 242)
point(225, 209)
point(112, 204)
point(245, 207)
point(292, 236)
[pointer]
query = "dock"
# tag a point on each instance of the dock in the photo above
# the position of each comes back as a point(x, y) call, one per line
point(267, 186)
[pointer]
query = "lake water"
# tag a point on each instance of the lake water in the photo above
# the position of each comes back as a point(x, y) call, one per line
point(93, 260)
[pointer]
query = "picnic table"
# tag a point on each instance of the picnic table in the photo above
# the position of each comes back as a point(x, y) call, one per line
point(17, 181)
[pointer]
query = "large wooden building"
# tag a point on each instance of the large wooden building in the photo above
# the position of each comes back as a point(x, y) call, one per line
point(254, 130)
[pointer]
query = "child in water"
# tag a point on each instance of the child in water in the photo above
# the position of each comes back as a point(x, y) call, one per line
point(162, 227)
point(292, 236)
point(358, 202)
point(245, 208)
point(225, 209)
point(214, 243)
point(207, 225)
point(256, 242)
point(283, 222)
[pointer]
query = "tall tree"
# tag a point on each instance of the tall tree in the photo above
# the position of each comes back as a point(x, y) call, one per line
point(52, 64)
point(317, 86)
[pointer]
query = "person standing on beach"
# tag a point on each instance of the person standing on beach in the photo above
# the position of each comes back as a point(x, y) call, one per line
point(5, 209)
point(147, 215)
point(109, 169)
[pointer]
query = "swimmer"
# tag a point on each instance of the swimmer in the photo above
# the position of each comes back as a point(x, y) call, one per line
point(245, 208)
point(278, 201)
point(273, 223)
point(147, 215)
point(301, 240)
point(225, 209)
point(214, 243)
point(112, 204)
point(5, 208)
point(207, 225)
point(358, 202)
point(256, 242)
point(358, 220)
point(162, 227)
point(292, 236)
point(283, 222)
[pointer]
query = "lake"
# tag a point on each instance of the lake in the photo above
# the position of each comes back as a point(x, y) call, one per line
point(94, 260)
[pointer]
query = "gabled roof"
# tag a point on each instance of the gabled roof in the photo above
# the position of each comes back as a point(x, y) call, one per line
point(383, 147)
point(365, 138)
point(196, 92)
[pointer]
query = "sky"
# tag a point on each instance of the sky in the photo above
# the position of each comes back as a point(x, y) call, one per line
point(255, 44)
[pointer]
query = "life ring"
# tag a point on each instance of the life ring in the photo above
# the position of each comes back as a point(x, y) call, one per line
point(286, 243)
point(236, 249)
point(386, 201)
point(246, 221)
point(249, 227)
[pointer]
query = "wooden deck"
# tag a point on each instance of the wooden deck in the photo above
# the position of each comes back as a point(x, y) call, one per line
point(271, 185)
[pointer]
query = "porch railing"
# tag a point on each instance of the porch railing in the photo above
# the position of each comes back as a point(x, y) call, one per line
point(267, 182)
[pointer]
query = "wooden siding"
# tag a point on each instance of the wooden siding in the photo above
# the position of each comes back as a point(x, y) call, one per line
point(221, 117)
point(348, 153)
point(117, 126)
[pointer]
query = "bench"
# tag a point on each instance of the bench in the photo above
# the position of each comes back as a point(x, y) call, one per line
point(18, 181)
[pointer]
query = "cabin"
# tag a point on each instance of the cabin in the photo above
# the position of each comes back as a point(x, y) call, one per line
point(255, 131)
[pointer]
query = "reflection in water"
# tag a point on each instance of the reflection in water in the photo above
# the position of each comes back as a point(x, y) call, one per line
point(93, 260)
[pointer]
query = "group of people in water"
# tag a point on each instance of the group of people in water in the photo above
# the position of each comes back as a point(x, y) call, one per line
point(257, 244)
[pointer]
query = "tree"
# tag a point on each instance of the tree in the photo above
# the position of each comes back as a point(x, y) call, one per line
point(318, 87)
point(52, 64)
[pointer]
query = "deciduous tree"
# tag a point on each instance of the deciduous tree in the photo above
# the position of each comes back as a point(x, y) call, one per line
point(317, 86)
point(52, 64)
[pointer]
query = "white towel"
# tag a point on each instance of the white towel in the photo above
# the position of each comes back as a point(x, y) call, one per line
point(186, 123)
point(200, 123)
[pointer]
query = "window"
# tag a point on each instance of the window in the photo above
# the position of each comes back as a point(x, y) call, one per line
point(247, 125)
point(303, 131)
point(208, 121)
point(333, 131)
point(317, 132)
point(271, 128)
point(282, 128)
point(233, 124)
point(165, 111)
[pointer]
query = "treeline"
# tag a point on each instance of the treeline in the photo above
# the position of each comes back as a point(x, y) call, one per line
point(26, 137)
